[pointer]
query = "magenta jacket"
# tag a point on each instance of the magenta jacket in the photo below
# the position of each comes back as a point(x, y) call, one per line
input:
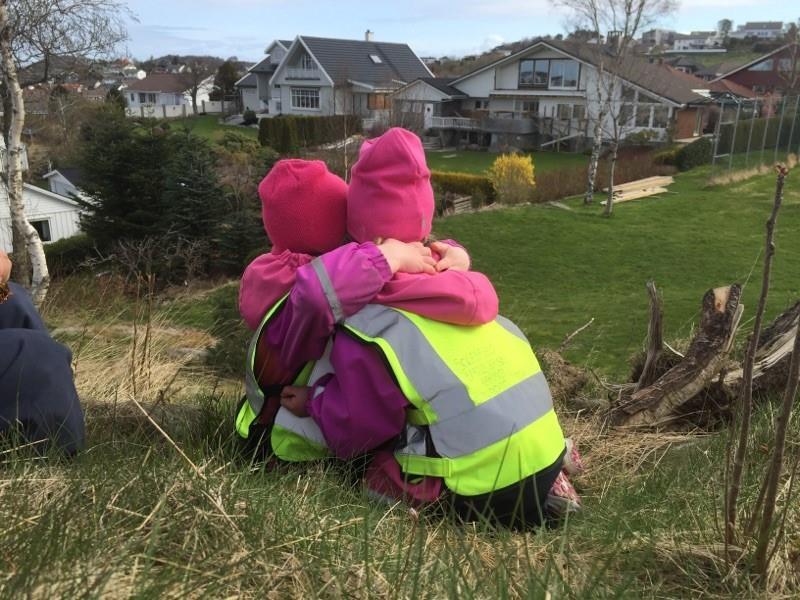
point(360, 407)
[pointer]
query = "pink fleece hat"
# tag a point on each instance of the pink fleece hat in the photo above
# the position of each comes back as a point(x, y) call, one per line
point(303, 206)
point(390, 191)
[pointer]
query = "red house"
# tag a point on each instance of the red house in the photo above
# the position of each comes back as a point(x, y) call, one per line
point(772, 73)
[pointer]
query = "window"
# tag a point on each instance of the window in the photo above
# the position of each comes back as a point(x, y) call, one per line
point(625, 114)
point(564, 111)
point(533, 73)
point(306, 63)
point(375, 102)
point(764, 65)
point(628, 94)
point(579, 112)
point(481, 104)
point(564, 74)
point(530, 107)
point(375, 59)
point(643, 115)
point(151, 98)
point(43, 229)
point(660, 116)
point(133, 97)
point(142, 98)
point(307, 98)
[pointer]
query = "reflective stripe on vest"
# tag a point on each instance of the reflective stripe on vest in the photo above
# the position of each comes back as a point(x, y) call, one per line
point(479, 389)
point(297, 439)
point(292, 438)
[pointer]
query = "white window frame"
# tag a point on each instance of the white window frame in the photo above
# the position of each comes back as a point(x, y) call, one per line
point(307, 63)
point(562, 63)
point(303, 98)
point(46, 229)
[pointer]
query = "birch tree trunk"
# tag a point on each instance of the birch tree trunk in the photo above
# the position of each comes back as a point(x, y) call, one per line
point(594, 161)
point(26, 243)
point(610, 201)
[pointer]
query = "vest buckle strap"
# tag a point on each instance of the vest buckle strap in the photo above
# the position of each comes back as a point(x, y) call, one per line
point(429, 466)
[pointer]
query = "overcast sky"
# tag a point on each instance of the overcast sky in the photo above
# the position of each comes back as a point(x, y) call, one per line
point(431, 27)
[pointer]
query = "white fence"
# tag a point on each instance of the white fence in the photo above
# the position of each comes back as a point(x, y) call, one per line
point(175, 111)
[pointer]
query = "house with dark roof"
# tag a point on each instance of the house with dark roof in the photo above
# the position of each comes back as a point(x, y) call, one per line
point(254, 87)
point(763, 30)
point(551, 91)
point(416, 103)
point(327, 76)
point(772, 73)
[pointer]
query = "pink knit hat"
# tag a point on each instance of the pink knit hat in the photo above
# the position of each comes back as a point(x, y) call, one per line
point(390, 193)
point(303, 206)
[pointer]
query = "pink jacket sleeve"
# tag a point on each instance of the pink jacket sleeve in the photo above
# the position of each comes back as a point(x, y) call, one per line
point(327, 290)
point(360, 407)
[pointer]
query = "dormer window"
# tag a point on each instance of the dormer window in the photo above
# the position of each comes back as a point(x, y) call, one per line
point(375, 59)
point(306, 62)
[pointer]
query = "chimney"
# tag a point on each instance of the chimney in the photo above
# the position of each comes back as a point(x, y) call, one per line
point(369, 36)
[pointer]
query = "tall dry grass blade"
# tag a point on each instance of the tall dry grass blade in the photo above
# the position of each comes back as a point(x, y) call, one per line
point(746, 392)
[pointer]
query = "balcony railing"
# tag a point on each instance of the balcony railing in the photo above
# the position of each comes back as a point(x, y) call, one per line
point(299, 73)
point(455, 123)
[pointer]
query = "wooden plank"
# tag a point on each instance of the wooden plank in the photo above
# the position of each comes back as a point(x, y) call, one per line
point(636, 195)
point(657, 181)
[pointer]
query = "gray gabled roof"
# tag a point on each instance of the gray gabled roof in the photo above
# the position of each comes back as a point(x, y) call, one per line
point(349, 60)
point(285, 43)
point(443, 85)
point(264, 66)
point(250, 80)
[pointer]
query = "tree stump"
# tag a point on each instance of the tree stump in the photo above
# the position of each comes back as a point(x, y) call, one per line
point(662, 401)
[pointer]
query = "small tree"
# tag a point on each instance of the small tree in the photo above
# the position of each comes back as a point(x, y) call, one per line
point(621, 21)
point(194, 77)
point(225, 81)
point(512, 178)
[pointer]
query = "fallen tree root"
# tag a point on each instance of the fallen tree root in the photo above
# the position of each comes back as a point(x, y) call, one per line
point(662, 402)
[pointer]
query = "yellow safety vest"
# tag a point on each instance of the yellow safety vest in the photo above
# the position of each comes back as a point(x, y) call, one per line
point(479, 395)
point(292, 438)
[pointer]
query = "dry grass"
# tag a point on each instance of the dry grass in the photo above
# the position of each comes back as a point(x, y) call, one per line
point(740, 175)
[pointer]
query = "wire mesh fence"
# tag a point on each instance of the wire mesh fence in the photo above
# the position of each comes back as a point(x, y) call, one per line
point(753, 132)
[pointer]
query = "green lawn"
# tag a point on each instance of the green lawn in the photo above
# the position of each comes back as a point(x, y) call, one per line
point(466, 161)
point(555, 269)
point(133, 517)
point(209, 127)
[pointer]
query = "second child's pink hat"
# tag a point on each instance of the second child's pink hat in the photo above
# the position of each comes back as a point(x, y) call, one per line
point(303, 206)
point(390, 193)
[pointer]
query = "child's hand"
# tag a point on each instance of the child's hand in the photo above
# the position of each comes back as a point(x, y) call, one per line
point(452, 257)
point(294, 399)
point(5, 267)
point(407, 258)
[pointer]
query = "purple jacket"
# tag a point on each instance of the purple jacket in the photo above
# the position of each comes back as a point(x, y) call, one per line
point(360, 407)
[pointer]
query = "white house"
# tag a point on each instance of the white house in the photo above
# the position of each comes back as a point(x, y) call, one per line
point(548, 93)
point(765, 30)
point(254, 87)
point(696, 40)
point(54, 216)
point(326, 76)
point(165, 89)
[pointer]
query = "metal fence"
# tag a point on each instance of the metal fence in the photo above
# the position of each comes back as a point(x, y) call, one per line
point(752, 132)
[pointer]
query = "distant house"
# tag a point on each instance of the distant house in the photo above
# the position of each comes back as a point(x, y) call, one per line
point(64, 181)
point(254, 88)
point(658, 37)
point(52, 215)
point(165, 89)
point(768, 74)
point(764, 30)
point(546, 94)
point(326, 76)
point(696, 40)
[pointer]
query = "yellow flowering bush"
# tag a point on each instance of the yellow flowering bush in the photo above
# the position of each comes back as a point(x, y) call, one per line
point(512, 178)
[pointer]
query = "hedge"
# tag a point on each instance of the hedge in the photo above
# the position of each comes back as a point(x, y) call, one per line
point(288, 133)
point(463, 183)
point(759, 127)
point(695, 154)
point(66, 256)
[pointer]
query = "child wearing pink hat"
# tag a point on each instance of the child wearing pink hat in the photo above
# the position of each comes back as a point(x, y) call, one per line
point(390, 196)
point(303, 210)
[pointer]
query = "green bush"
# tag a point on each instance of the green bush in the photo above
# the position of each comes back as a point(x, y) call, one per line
point(463, 183)
point(306, 132)
point(695, 154)
point(249, 118)
point(65, 256)
point(667, 156)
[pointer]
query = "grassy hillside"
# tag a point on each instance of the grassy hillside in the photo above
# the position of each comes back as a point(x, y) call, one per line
point(132, 516)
